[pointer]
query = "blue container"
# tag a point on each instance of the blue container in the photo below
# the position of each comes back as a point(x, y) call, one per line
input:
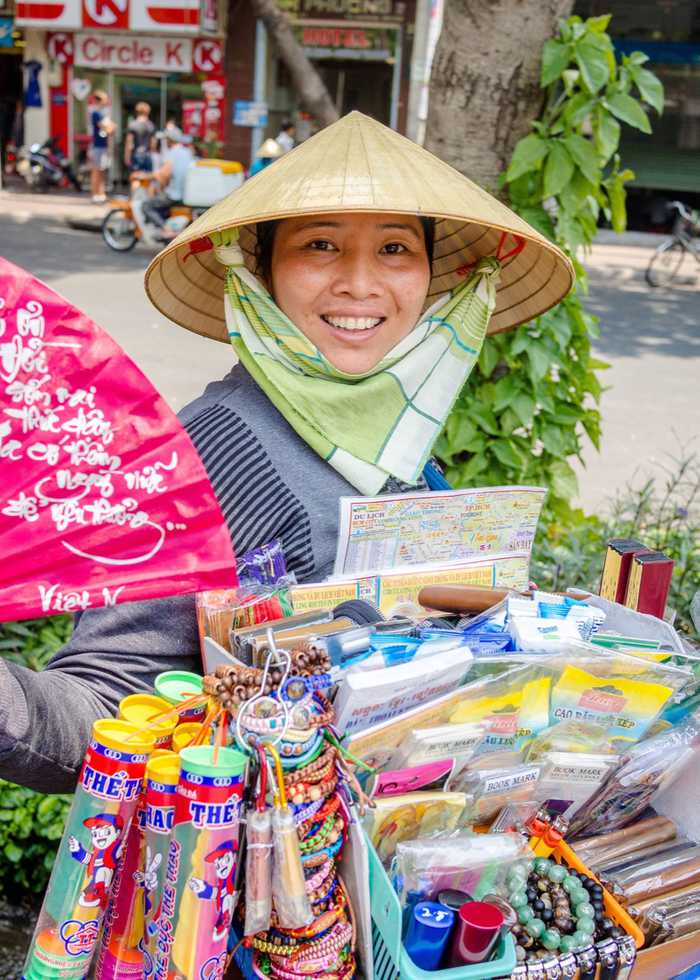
point(428, 932)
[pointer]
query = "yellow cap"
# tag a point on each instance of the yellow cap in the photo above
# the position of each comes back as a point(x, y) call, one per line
point(165, 768)
point(114, 733)
point(185, 734)
point(142, 709)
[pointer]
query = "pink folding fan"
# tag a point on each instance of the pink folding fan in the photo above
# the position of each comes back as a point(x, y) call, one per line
point(103, 497)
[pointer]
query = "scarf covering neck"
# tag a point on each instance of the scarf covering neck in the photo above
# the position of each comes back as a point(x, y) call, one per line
point(370, 426)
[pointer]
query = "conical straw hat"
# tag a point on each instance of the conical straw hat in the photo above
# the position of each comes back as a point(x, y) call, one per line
point(359, 165)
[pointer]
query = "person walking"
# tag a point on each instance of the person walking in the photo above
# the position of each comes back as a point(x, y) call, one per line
point(140, 140)
point(101, 129)
point(285, 137)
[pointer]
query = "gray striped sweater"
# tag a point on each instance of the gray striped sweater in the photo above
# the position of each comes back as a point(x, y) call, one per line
point(270, 484)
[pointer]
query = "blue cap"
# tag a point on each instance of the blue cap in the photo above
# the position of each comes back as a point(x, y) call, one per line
point(428, 933)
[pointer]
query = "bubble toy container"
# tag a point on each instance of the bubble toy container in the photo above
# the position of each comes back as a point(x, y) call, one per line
point(176, 686)
point(198, 894)
point(90, 853)
point(162, 777)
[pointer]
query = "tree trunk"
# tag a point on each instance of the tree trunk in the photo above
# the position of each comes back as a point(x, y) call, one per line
point(485, 82)
point(307, 82)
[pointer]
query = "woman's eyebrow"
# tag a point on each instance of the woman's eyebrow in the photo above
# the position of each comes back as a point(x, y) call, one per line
point(399, 226)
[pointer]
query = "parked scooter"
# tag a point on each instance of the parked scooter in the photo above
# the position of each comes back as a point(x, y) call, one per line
point(43, 167)
point(126, 223)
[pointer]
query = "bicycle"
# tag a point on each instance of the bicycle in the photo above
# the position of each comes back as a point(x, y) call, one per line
point(666, 262)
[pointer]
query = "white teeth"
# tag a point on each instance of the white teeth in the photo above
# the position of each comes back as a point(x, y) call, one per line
point(353, 322)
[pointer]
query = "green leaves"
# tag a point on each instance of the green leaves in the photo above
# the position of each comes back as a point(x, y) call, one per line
point(528, 155)
point(555, 60)
point(650, 88)
point(628, 110)
point(584, 155)
point(558, 170)
point(592, 54)
point(606, 134)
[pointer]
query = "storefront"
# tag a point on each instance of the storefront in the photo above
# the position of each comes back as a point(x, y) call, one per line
point(171, 68)
point(361, 49)
point(666, 162)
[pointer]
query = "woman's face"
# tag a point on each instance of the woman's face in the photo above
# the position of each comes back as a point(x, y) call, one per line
point(354, 284)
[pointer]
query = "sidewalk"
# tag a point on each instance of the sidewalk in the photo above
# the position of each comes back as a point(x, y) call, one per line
point(22, 205)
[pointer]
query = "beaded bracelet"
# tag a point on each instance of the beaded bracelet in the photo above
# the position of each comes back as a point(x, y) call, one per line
point(317, 879)
point(309, 794)
point(307, 811)
point(305, 772)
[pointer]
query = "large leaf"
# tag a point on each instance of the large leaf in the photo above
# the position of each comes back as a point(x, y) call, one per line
point(606, 132)
point(524, 407)
point(506, 453)
point(558, 170)
point(629, 110)
point(592, 59)
point(618, 209)
point(555, 58)
point(488, 358)
point(584, 155)
point(650, 88)
point(562, 480)
point(539, 362)
point(528, 155)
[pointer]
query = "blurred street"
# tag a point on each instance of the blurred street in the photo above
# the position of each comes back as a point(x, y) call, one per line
point(651, 338)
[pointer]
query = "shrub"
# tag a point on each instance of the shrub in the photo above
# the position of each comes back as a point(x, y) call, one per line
point(31, 826)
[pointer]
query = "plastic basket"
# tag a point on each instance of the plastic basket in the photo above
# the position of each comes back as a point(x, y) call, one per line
point(563, 853)
point(391, 960)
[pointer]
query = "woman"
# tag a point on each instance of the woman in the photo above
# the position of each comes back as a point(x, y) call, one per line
point(355, 280)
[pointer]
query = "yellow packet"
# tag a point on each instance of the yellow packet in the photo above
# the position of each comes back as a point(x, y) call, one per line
point(398, 818)
point(512, 719)
point(625, 707)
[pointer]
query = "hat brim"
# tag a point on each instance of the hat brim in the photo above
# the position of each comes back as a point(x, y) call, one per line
point(359, 166)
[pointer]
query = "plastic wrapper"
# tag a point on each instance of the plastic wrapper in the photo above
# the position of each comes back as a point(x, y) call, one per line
point(413, 815)
point(571, 736)
point(462, 772)
point(645, 770)
point(458, 742)
point(288, 892)
point(670, 916)
point(264, 565)
point(613, 864)
point(258, 872)
point(658, 875)
point(513, 708)
point(619, 843)
point(90, 853)
point(492, 789)
point(473, 863)
point(569, 779)
point(218, 612)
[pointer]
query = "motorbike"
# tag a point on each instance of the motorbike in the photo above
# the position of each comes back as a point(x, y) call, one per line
point(44, 166)
point(126, 222)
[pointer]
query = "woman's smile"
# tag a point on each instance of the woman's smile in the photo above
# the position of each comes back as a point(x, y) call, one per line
point(354, 284)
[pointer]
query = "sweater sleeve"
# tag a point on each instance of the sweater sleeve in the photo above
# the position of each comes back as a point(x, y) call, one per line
point(46, 717)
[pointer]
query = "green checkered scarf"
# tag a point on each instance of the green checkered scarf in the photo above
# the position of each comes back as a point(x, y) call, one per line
point(367, 426)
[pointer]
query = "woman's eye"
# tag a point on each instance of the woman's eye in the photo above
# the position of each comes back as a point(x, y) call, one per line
point(321, 245)
point(394, 248)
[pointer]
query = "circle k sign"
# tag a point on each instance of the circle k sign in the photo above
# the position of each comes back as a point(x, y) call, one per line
point(206, 55)
point(106, 13)
point(60, 48)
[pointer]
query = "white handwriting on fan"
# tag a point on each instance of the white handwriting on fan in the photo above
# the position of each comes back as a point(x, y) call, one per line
point(68, 430)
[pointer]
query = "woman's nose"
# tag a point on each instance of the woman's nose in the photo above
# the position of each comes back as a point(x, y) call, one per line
point(357, 274)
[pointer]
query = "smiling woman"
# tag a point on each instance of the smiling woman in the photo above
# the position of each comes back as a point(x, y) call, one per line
point(354, 284)
point(355, 279)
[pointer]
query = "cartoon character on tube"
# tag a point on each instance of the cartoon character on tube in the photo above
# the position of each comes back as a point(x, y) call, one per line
point(102, 860)
point(224, 861)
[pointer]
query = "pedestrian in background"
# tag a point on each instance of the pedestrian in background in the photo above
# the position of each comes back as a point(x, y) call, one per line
point(285, 137)
point(101, 128)
point(267, 154)
point(140, 140)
